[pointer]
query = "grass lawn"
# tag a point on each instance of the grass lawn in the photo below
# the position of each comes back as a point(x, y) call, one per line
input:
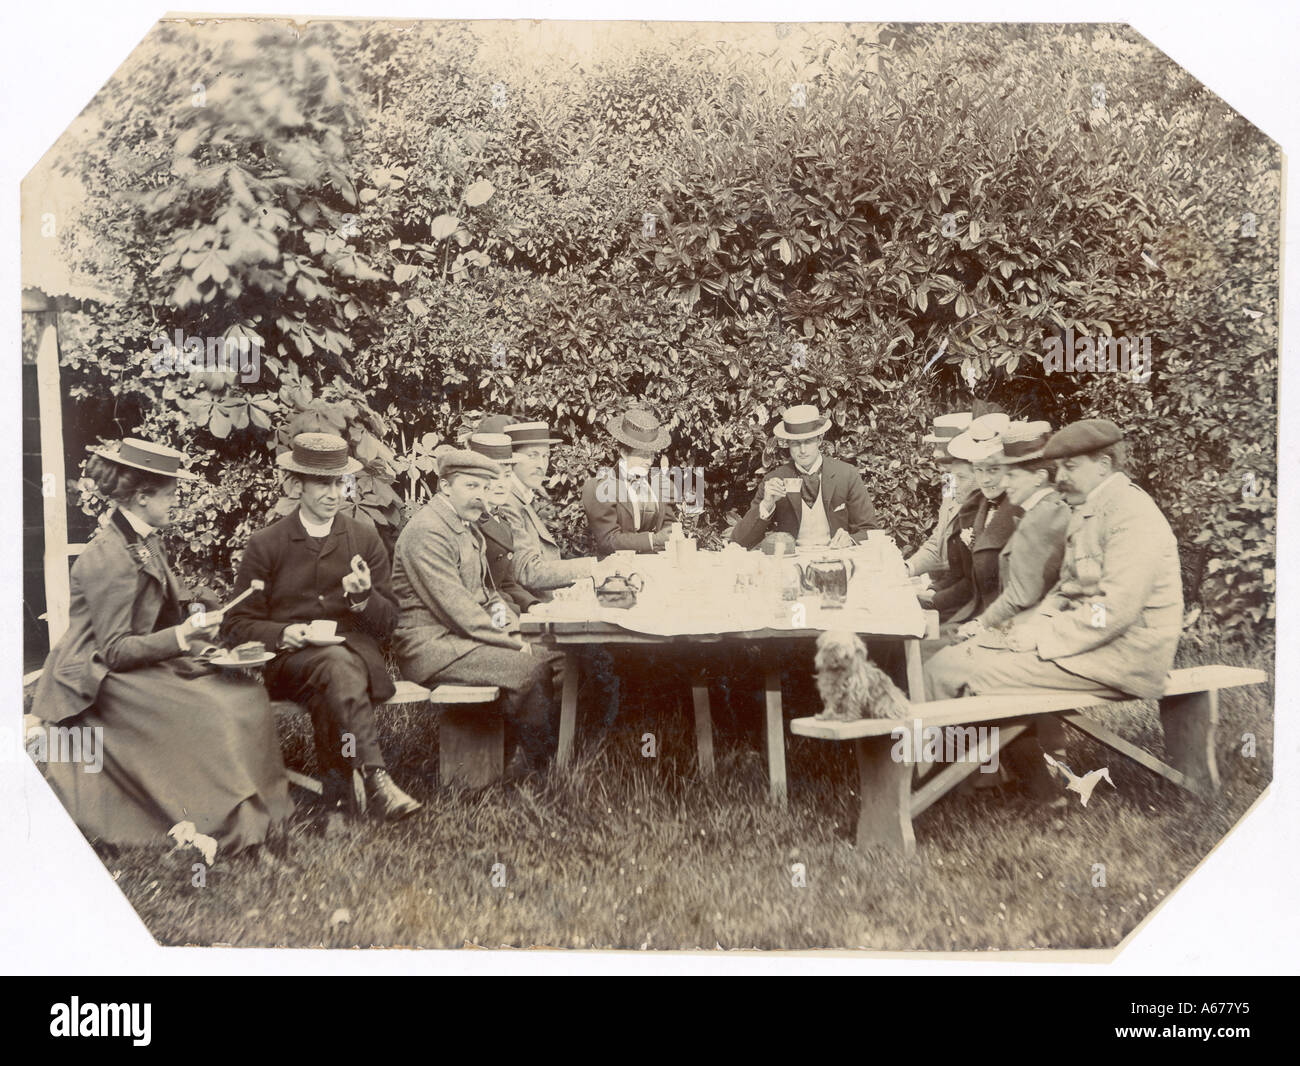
point(624, 851)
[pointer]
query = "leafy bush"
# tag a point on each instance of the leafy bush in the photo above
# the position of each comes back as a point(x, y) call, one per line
point(422, 223)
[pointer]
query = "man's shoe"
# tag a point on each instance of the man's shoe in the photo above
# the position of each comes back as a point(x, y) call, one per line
point(386, 799)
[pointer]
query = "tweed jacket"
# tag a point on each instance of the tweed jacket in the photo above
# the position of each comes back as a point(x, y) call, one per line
point(611, 522)
point(499, 543)
point(844, 496)
point(538, 565)
point(1030, 562)
point(122, 614)
point(445, 593)
point(302, 586)
point(1116, 613)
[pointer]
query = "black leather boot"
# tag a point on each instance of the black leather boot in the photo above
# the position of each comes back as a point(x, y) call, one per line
point(385, 799)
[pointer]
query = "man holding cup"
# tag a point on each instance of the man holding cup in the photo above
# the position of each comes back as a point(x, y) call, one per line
point(326, 607)
point(819, 500)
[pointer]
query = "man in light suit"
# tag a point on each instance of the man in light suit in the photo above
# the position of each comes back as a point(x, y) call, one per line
point(455, 627)
point(830, 507)
point(1111, 623)
point(625, 508)
point(538, 563)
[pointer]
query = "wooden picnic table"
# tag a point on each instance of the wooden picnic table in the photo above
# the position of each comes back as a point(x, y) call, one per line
point(568, 636)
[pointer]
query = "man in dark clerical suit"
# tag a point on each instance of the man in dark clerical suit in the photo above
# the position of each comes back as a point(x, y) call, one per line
point(625, 505)
point(319, 564)
point(818, 500)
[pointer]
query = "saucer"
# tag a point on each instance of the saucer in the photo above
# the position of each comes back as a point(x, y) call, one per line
point(230, 662)
point(325, 642)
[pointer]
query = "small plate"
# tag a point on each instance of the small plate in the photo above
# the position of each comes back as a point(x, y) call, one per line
point(325, 642)
point(230, 662)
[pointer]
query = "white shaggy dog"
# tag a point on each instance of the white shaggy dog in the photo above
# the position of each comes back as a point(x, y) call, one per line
point(850, 684)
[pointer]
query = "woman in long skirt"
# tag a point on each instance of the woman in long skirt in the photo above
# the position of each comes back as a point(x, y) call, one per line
point(181, 741)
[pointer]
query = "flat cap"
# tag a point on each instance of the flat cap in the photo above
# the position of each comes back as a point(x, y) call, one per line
point(462, 461)
point(1082, 438)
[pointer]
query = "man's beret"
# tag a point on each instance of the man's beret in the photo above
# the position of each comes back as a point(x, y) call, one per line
point(463, 461)
point(1082, 438)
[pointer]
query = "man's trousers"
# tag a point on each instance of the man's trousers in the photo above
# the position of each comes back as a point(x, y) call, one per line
point(523, 681)
point(332, 683)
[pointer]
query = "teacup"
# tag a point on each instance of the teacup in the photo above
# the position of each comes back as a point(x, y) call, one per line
point(794, 485)
point(322, 629)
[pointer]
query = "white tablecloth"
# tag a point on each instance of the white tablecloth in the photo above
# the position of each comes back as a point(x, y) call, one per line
point(700, 597)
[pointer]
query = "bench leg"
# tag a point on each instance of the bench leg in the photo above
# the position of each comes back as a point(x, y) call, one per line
point(568, 709)
point(775, 735)
point(703, 724)
point(885, 797)
point(471, 746)
point(1188, 722)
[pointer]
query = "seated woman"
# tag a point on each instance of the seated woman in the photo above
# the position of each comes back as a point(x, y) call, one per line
point(1030, 562)
point(180, 741)
point(984, 524)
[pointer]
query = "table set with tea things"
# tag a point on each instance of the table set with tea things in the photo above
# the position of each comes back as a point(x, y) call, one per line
point(687, 598)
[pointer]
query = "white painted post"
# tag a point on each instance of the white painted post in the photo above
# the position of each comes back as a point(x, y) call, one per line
point(57, 590)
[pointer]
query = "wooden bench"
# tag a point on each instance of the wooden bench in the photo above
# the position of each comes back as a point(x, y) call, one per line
point(471, 743)
point(1189, 710)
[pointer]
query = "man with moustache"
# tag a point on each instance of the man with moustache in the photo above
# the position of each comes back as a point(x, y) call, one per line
point(320, 564)
point(1111, 622)
point(538, 563)
point(456, 627)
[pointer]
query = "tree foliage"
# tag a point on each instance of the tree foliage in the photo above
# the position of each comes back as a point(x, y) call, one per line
point(422, 222)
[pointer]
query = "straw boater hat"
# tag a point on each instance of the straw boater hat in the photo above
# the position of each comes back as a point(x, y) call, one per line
point(979, 443)
point(523, 434)
point(145, 455)
point(318, 455)
point(943, 431)
point(496, 446)
point(945, 427)
point(801, 422)
point(638, 428)
point(1023, 442)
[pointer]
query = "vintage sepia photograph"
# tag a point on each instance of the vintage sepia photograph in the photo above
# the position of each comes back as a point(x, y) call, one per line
point(661, 486)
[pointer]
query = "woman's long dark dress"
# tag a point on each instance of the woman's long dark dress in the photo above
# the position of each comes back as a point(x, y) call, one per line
point(181, 741)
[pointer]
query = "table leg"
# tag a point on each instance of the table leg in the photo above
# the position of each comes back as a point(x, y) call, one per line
point(703, 723)
point(915, 672)
point(568, 708)
point(775, 735)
